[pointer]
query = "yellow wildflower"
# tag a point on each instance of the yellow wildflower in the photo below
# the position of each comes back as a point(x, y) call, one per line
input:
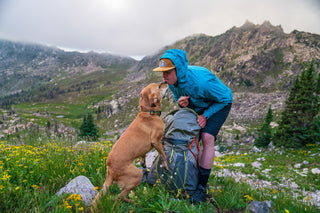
point(70, 197)
point(248, 197)
point(287, 211)
point(145, 191)
point(17, 188)
point(96, 188)
point(35, 187)
point(6, 177)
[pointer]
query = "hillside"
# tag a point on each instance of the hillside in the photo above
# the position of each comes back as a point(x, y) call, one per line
point(45, 91)
point(250, 58)
point(258, 62)
point(32, 72)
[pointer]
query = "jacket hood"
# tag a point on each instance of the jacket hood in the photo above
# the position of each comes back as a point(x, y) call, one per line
point(179, 58)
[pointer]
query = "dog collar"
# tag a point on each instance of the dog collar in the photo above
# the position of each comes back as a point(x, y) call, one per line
point(154, 112)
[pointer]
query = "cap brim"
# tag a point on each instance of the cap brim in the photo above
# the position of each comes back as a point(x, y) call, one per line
point(163, 69)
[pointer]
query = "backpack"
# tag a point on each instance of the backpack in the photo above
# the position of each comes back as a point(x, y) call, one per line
point(180, 144)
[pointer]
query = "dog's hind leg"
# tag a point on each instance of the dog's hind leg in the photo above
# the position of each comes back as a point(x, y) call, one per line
point(130, 180)
point(102, 192)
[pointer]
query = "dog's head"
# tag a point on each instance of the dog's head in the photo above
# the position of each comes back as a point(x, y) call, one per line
point(151, 97)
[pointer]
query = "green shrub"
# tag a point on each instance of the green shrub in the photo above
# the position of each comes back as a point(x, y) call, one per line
point(301, 108)
point(88, 129)
point(265, 131)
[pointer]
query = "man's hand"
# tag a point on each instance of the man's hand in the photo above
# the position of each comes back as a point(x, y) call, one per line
point(183, 101)
point(202, 121)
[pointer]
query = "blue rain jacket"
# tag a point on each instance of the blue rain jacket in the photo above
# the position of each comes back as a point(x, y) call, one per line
point(207, 93)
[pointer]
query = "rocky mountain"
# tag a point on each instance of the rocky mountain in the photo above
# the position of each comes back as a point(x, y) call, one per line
point(258, 62)
point(250, 58)
point(25, 67)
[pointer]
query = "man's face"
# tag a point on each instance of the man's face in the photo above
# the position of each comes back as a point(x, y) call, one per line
point(170, 77)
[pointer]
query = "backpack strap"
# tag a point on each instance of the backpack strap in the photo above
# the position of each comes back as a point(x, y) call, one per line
point(189, 148)
point(172, 149)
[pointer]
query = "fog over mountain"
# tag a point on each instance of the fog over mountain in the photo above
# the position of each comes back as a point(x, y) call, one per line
point(139, 28)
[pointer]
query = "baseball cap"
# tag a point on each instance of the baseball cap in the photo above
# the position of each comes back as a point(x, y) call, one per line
point(165, 64)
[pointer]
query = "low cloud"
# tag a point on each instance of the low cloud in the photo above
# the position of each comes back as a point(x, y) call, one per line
point(141, 27)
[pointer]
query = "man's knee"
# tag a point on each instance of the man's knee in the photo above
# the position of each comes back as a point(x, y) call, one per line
point(207, 139)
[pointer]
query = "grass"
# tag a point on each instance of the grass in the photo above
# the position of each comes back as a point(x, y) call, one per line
point(278, 164)
point(41, 113)
point(31, 174)
point(283, 179)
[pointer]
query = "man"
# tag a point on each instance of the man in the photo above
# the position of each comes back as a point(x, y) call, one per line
point(197, 88)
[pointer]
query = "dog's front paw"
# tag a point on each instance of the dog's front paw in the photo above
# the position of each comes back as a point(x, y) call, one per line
point(143, 163)
point(165, 165)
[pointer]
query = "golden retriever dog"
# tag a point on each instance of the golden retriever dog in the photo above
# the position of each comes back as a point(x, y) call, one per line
point(141, 136)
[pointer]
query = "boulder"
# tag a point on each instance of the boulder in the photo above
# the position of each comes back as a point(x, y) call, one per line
point(260, 207)
point(80, 185)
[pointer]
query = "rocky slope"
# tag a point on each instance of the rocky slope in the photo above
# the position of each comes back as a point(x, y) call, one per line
point(25, 66)
point(249, 58)
point(258, 62)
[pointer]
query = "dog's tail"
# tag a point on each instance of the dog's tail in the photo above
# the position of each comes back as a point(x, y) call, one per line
point(102, 192)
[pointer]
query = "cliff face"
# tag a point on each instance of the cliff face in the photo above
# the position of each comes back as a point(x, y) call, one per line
point(258, 62)
point(257, 58)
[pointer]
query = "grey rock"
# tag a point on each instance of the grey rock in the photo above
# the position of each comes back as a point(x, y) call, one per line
point(80, 185)
point(260, 207)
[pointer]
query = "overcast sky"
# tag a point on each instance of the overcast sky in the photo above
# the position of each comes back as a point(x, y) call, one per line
point(142, 27)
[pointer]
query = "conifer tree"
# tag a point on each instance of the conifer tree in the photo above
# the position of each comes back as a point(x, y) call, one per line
point(301, 108)
point(315, 125)
point(265, 132)
point(88, 129)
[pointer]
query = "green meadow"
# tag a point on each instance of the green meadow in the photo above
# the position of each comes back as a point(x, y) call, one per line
point(31, 175)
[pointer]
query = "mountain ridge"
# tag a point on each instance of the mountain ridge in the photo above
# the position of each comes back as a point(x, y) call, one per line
point(258, 62)
point(244, 53)
point(22, 62)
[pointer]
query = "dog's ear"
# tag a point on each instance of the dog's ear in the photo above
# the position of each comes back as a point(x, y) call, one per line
point(153, 100)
